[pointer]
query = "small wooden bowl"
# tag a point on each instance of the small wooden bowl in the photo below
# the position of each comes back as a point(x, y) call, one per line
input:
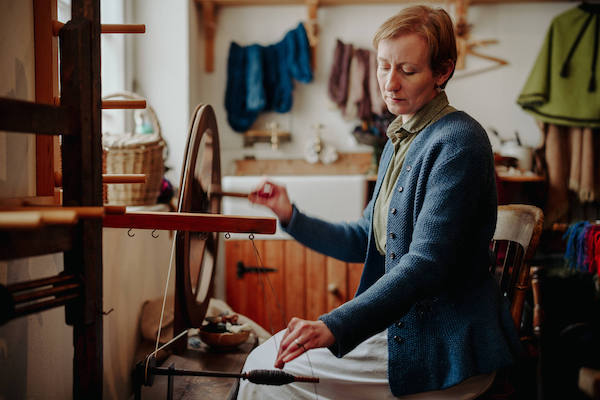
point(225, 339)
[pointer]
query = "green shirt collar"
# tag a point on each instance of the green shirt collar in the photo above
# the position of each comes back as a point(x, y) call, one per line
point(427, 114)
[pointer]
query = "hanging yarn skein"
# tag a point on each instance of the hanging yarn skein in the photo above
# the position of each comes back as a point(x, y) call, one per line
point(259, 78)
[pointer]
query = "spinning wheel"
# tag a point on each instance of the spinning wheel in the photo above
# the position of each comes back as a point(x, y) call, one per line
point(196, 252)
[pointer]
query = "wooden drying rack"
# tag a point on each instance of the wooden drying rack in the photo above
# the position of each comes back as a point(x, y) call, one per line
point(210, 8)
point(40, 224)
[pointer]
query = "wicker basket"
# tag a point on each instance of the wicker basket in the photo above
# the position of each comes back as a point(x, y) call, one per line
point(132, 153)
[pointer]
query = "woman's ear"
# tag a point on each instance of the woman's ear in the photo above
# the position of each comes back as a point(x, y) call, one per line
point(445, 73)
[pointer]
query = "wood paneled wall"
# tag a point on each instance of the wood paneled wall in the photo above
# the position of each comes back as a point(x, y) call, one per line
point(306, 283)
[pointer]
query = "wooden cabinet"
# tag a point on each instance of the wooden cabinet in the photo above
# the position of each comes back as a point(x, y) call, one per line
point(305, 284)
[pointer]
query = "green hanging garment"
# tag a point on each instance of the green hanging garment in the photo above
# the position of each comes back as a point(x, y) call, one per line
point(562, 87)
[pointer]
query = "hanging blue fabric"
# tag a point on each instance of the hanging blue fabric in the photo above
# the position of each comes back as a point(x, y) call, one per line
point(238, 115)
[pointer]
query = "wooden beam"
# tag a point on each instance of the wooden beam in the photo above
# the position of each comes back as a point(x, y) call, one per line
point(116, 104)
point(82, 186)
point(194, 222)
point(106, 28)
point(27, 117)
point(27, 243)
point(46, 88)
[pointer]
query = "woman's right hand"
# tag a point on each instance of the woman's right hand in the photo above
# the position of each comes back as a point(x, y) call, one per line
point(275, 197)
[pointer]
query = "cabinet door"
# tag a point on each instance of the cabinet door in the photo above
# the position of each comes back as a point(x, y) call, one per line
point(305, 284)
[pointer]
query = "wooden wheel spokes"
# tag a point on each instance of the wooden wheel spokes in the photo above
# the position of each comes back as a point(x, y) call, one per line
point(196, 252)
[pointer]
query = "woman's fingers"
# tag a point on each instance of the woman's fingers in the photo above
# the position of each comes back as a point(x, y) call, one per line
point(301, 336)
point(275, 197)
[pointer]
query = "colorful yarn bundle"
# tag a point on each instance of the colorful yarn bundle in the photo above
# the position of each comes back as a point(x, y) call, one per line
point(583, 247)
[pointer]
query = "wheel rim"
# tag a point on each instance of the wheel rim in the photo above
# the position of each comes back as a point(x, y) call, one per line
point(197, 251)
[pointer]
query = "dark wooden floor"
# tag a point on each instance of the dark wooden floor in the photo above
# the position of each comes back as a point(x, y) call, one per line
point(203, 359)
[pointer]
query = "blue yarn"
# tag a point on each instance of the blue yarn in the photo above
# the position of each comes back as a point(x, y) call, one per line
point(259, 78)
point(582, 248)
point(298, 57)
point(238, 116)
point(282, 94)
point(270, 74)
point(572, 249)
point(255, 92)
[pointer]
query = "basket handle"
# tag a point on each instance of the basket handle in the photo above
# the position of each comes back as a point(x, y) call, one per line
point(149, 109)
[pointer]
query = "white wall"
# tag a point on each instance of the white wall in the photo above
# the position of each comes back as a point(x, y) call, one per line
point(489, 97)
point(161, 70)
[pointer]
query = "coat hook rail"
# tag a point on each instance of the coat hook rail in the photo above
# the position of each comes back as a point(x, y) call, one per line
point(194, 222)
point(106, 28)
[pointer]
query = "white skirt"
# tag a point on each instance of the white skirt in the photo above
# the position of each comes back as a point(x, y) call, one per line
point(360, 374)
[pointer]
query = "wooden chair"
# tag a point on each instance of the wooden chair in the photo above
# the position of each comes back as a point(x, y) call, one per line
point(515, 241)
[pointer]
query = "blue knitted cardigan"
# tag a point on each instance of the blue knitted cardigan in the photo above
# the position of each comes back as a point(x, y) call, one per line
point(445, 317)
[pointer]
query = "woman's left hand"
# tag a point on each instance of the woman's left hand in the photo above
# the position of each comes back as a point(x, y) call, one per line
point(300, 336)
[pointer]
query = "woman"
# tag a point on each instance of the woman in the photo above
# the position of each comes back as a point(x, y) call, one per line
point(426, 302)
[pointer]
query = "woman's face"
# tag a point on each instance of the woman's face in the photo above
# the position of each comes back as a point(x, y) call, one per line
point(405, 78)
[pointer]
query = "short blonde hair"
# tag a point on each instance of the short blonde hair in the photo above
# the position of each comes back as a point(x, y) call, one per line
point(433, 25)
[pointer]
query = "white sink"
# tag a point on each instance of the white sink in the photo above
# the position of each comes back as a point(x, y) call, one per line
point(331, 197)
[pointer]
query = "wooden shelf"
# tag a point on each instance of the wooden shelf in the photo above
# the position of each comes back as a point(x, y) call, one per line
point(346, 164)
point(194, 222)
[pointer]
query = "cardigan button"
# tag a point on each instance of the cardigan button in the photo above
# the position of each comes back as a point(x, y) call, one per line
point(394, 211)
point(392, 235)
point(400, 189)
point(408, 167)
point(392, 256)
point(400, 324)
point(398, 339)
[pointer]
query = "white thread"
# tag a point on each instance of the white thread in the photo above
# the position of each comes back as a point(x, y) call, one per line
point(162, 312)
point(161, 347)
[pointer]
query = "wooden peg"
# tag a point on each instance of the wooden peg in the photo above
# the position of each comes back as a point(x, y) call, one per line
point(106, 28)
point(210, 24)
point(59, 213)
point(123, 28)
point(20, 220)
point(59, 216)
point(116, 104)
point(123, 178)
point(108, 178)
point(313, 31)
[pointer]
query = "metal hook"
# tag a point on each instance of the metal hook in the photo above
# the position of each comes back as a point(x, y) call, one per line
point(108, 312)
point(130, 232)
point(251, 236)
point(227, 235)
point(153, 234)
